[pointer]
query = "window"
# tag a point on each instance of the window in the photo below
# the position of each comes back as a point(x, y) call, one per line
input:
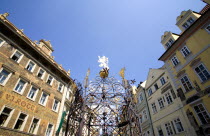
point(175, 61)
point(168, 98)
point(140, 98)
point(202, 72)
point(156, 86)
point(43, 99)
point(4, 76)
point(5, 115)
point(20, 122)
point(167, 45)
point(145, 114)
point(162, 80)
point(190, 21)
point(178, 125)
point(171, 41)
point(50, 80)
point(140, 118)
point(49, 130)
point(41, 73)
point(186, 83)
point(161, 104)
point(208, 28)
point(32, 93)
point(160, 131)
point(55, 105)
point(30, 67)
point(150, 92)
point(1, 42)
point(60, 87)
point(17, 56)
point(185, 51)
point(185, 25)
point(20, 86)
point(154, 108)
point(34, 126)
point(202, 113)
point(169, 129)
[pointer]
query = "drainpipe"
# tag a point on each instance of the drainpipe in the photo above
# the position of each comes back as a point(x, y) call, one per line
point(148, 111)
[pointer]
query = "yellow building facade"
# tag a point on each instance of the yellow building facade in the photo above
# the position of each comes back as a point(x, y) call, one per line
point(187, 61)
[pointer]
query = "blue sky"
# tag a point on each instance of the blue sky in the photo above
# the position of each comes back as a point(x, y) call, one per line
point(126, 31)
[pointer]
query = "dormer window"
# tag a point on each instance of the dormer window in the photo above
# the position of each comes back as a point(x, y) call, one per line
point(185, 25)
point(189, 22)
point(169, 43)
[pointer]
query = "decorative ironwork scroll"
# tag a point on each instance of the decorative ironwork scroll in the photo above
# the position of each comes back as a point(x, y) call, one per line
point(104, 108)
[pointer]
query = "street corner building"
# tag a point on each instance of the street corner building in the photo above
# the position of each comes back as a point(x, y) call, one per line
point(35, 91)
point(187, 62)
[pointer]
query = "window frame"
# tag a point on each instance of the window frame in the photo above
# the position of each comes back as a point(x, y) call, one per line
point(23, 89)
point(159, 103)
point(175, 126)
point(162, 79)
point(51, 132)
point(154, 107)
point(61, 91)
point(171, 127)
point(43, 73)
point(8, 77)
point(45, 102)
point(10, 115)
point(140, 97)
point(190, 21)
point(156, 86)
point(51, 80)
point(36, 129)
point(150, 92)
point(32, 70)
point(58, 105)
point(186, 48)
point(37, 90)
point(201, 72)
point(24, 123)
point(173, 60)
point(159, 128)
point(206, 28)
point(18, 61)
point(3, 41)
point(207, 112)
point(168, 94)
point(186, 84)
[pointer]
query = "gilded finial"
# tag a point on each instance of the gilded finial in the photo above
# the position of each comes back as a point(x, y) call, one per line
point(6, 14)
point(122, 72)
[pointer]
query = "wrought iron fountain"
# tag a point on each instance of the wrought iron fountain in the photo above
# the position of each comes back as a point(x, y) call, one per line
point(103, 107)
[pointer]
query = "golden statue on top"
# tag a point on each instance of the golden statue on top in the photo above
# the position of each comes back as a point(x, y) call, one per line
point(103, 63)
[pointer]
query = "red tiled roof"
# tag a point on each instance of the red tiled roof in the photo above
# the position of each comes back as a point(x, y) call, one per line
point(205, 9)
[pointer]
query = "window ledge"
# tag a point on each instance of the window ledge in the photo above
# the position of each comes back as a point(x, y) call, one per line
point(18, 92)
point(42, 105)
point(14, 61)
point(186, 57)
point(203, 82)
point(30, 99)
point(54, 111)
point(189, 90)
point(177, 65)
point(162, 108)
point(2, 84)
point(31, 72)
